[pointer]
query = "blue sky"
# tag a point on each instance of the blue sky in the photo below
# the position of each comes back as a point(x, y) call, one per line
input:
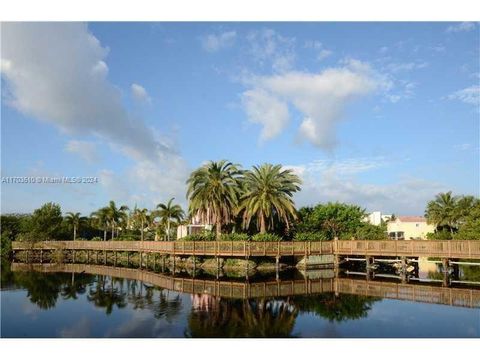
point(384, 115)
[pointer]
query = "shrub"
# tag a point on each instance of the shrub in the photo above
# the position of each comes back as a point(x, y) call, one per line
point(209, 236)
point(97, 238)
point(310, 236)
point(80, 239)
point(440, 235)
point(235, 237)
point(266, 237)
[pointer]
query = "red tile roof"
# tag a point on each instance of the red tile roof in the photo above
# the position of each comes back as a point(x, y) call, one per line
point(411, 218)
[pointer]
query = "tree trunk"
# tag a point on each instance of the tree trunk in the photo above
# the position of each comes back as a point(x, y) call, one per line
point(218, 230)
point(141, 231)
point(105, 234)
point(74, 232)
point(263, 229)
point(113, 229)
point(168, 230)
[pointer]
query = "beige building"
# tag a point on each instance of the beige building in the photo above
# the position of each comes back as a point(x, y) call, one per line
point(409, 228)
point(195, 227)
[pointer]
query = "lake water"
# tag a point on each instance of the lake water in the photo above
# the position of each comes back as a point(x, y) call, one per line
point(62, 304)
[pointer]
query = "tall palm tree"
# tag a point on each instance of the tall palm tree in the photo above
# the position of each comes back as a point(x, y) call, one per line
point(268, 196)
point(442, 211)
point(74, 220)
point(168, 212)
point(213, 192)
point(116, 215)
point(141, 219)
point(100, 219)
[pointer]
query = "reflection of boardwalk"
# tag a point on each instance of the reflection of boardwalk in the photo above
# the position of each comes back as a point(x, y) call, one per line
point(231, 289)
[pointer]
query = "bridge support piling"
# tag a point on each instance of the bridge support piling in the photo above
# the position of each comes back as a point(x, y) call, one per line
point(277, 267)
point(96, 255)
point(128, 258)
point(115, 258)
point(73, 256)
point(41, 256)
point(445, 264)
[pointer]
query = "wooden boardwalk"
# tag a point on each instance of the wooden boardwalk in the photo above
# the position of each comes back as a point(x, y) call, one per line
point(244, 290)
point(465, 249)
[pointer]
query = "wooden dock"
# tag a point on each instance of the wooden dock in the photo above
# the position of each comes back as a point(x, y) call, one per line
point(244, 290)
point(464, 249)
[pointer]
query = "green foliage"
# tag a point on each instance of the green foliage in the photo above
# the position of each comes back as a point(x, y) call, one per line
point(235, 237)
point(267, 196)
point(266, 237)
point(45, 223)
point(96, 238)
point(455, 217)
point(332, 219)
point(207, 236)
point(371, 232)
point(440, 235)
point(310, 236)
point(12, 225)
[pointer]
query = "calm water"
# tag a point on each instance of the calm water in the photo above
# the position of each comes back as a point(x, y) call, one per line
point(35, 304)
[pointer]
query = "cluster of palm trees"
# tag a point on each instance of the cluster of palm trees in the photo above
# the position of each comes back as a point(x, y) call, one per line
point(221, 192)
point(449, 212)
point(114, 219)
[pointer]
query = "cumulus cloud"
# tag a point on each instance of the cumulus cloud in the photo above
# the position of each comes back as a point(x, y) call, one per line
point(215, 42)
point(140, 94)
point(85, 149)
point(335, 180)
point(264, 108)
point(322, 52)
point(320, 97)
point(469, 95)
point(56, 72)
point(461, 27)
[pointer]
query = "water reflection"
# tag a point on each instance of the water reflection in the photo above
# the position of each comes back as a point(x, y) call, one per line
point(69, 305)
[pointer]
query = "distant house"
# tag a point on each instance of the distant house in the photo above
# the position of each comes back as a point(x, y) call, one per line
point(409, 228)
point(376, 218)
point(195, 227)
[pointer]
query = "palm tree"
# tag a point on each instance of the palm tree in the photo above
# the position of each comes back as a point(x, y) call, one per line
point(442, 211)
point(141, 218)
point(268, 196)
point(168, 212)
point(100, 219)
point(213, 192)
point(116, 215)
point(75, 220)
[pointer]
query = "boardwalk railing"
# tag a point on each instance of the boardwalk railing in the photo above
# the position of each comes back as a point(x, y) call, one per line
point(232, 289)
point(200, 248)
point(467, 249)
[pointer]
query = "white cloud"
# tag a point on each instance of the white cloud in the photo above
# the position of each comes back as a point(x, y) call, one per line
point(268, 48)
point(462, 147)
point(320, 97)
point(264, 108)
point(322, 52)
point(409, 66)
point(140, 94)
point(215, 42)
point(85, 149)
point(461, 27)
point(330, 180)
point(470, 95)
point(56, 72)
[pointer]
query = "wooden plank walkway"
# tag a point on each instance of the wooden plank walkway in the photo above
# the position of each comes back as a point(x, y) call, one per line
point(465, 249)
point(244, 290)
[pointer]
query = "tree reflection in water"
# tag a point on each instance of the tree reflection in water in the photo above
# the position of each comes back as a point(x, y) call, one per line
point(215, 317)
point(106, 295)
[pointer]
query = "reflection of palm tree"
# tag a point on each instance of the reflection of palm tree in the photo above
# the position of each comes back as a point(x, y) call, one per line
point(244, 318)
point(106, 297)
point(166, 307)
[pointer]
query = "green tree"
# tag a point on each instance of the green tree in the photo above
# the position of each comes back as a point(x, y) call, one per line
point(268, 191)
point(46, 221)
point(141, 219)
point(443, 211)
point(100, 219)
point(168, 212)
point(213, 192)
point(333, 220)
point(74, 220)
point(116, 215)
